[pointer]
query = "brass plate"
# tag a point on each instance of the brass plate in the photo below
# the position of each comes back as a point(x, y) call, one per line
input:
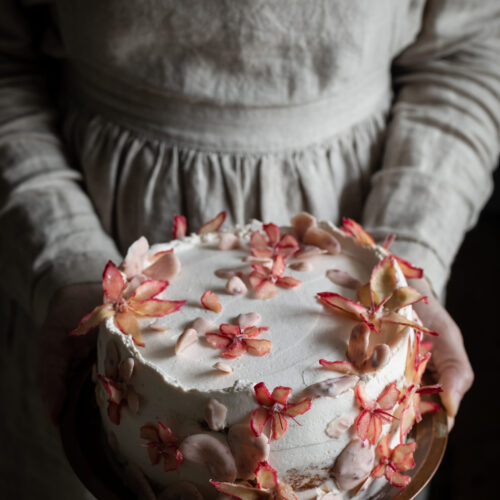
point(83, 442)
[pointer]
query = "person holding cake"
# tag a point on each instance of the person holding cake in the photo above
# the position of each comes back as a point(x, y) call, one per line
point(117, 115)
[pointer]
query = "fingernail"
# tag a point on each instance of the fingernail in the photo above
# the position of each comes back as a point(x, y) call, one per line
point(453, 402)
point(451, 423)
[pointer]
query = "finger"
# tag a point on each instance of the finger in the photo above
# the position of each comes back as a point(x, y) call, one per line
point(455, 378)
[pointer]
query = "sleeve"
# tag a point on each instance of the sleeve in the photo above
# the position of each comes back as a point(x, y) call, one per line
point(50, 235)
point(442, 142)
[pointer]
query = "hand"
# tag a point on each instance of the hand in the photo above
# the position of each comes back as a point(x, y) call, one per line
point(61, 356)
point(449, 359)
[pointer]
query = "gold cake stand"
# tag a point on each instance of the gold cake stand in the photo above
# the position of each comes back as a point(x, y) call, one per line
point(83, 441)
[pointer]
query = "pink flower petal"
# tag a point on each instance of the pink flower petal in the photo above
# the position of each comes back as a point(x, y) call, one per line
point(279, 425)
point(278, 266)
point(357, 232)
point(92, 319)
point(229, 330)
point(238, 491)
point(165, 433)
point(402, 456)
point(339, 366)
point(112, 283)
point(273, 233)
point(262, 395)
point(136, 255)
point(180, 227)
point(166, 268)
point(362, 424)
point(339, 303)
point(127, 324)
point(409, 270)
point(156, 308)
point(398, 319)
point(288, 282)
point(402, 297)
point(301, 223)
point(363, 399)
point(280, 394)
point(265, 290)
point(236, 349)
point(217, 340)
point(266, 476)
point(396, 479)
point(383, 280)
point(389, 397)
point(288, 246)
point(148, 289)
point(214, 224)
point(322, 239)
point(236, 286)
point(249, 319)
point(211, 302)
point(258, 421)
point(115, 395)
point(299, 408)
point(228, 241)
point(258, 347)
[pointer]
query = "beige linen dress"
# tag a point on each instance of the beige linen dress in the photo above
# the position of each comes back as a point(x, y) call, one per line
point(387, 111)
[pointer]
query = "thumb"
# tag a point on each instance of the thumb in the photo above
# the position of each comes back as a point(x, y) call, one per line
point(453, 368)
point(455, 383)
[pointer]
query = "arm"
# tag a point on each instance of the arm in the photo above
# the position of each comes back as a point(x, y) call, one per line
point(442, 145)
point(50, 234)
point(50, 238)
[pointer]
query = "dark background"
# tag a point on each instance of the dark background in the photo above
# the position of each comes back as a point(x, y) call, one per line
point(471, 466)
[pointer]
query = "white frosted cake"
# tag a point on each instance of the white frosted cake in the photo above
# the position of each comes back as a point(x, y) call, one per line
point(276, 363)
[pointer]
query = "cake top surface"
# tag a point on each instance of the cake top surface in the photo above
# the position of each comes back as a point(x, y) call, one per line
point(301, 330)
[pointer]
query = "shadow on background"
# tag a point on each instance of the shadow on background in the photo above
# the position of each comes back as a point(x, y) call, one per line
point(469, 469)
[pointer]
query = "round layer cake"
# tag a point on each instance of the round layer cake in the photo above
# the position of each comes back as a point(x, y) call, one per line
point(271, 356)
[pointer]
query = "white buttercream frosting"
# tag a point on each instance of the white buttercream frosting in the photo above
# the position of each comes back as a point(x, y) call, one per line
point(175, 388)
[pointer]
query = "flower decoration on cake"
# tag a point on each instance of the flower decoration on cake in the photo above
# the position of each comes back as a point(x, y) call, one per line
point(380, 300)
point(210, 301)
point(411, 405)
point(272, 244)
point(235, 341)
point(361, 357)
point(392, 462)
point(308, 232)
point(359, 234)
point(139, 266)
point(162, 445)
point(180, 225)
point(374, 413)
point(267, 486)
point(274, 409)
point(120, 391)
point(264, 280)
point(125, 308)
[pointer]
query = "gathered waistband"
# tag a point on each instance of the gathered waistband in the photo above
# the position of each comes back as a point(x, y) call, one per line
point(228, 128)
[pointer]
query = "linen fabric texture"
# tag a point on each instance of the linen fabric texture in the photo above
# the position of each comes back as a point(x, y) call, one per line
point(387, 112)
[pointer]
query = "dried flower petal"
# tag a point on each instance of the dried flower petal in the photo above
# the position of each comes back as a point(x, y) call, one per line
point(187, 338)
point(180, 227)
point(228, 241)
point(223, 367)
point(235, 286)
point(214, 224)
point(210, 301)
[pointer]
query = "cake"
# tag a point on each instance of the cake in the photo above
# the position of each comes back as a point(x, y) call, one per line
point(260, 362)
